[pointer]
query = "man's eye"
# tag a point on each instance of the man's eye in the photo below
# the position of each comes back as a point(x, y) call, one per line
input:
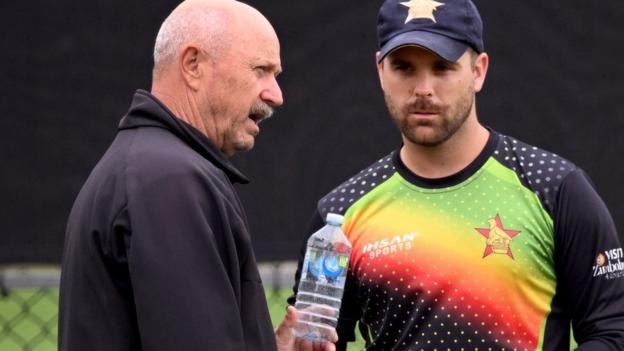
point(262, 70)
point(443, 67)
point(402, 67)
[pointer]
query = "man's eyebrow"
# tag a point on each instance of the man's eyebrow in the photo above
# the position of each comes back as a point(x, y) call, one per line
point(397, 60)
point(275, 67)
point(447, 63)
point(267, 65)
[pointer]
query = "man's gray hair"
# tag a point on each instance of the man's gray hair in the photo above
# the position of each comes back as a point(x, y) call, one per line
point(203, 27)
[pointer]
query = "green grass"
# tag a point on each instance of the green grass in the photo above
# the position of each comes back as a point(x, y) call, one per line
point(28, 319)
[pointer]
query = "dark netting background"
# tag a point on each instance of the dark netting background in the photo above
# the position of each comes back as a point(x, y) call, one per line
point(69, 69)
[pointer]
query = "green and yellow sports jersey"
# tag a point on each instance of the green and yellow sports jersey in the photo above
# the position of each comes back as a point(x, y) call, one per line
point(503, 255)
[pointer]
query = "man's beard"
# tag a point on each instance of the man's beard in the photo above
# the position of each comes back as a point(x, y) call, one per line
point(449, 120)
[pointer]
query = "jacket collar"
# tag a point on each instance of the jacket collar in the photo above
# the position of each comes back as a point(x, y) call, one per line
point(147, 111)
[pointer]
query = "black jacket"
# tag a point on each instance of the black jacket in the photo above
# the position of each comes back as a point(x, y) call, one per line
point(157, 251)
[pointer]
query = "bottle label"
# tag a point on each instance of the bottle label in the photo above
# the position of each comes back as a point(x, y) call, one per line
point(331, 267)
point(343, 261)
point(325, 267)
point(313, 266)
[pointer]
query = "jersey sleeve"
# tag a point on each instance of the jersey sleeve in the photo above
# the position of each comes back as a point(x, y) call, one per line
point(588, 260)
point(349, 308)
point(181, 273)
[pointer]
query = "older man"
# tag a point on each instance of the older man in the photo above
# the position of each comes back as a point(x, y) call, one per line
point(157, 253)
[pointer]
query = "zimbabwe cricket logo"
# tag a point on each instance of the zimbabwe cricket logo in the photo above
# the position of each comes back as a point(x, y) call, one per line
point(498, 239)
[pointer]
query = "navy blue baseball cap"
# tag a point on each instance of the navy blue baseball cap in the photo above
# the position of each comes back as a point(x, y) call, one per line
point(446, 27)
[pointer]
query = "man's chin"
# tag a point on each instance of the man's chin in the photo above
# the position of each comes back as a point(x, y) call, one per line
point(246, 145)
point(426, 138)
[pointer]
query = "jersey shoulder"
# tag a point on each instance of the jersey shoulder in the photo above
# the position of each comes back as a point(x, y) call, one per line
point(542, 171)
point(349, 192)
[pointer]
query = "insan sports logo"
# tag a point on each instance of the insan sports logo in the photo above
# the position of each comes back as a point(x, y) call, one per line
point(388, 246)
point(609, 264)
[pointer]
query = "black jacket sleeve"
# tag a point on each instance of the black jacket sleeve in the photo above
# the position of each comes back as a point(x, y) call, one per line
point(349, 308)
point(586, 241)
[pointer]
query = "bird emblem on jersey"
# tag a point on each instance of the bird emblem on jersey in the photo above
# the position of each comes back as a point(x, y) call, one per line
point(421, 9)
point(498, 239)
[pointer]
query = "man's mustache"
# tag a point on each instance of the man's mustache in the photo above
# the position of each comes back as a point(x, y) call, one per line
point(262, 110)
point(424, 105)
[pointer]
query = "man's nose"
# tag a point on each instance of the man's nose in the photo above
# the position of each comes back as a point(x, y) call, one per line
point(423, 84)
point(272, 94)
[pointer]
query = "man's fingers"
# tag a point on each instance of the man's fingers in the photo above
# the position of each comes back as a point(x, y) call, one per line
point(334, 337)
point(307, 345)
point(291, 313)
point(289, 321)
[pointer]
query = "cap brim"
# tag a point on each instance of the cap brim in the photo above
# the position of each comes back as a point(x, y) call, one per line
point(443, 46)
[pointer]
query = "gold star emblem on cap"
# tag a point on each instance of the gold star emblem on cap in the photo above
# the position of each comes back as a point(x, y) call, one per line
point(421, 9)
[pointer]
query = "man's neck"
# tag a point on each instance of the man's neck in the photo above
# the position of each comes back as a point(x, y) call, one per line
point(183, 107)
point(449, 157)
point(173, 102)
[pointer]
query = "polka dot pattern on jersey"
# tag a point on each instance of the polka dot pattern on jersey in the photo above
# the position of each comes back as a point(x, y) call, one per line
point(539, 170)
point(346, 194)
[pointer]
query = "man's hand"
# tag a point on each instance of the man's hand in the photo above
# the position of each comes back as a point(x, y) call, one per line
point(286, 340)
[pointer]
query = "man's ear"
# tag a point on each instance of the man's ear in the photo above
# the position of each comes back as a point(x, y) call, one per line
point(379, 69)
point(480, 70)
point(191, 66)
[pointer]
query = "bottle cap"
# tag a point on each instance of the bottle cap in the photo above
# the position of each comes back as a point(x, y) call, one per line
point(335, 219)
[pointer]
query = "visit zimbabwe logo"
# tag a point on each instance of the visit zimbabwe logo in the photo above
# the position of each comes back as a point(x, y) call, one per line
point(498, 239)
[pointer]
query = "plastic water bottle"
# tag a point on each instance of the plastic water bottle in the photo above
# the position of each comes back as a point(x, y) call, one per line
point(322, 281)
